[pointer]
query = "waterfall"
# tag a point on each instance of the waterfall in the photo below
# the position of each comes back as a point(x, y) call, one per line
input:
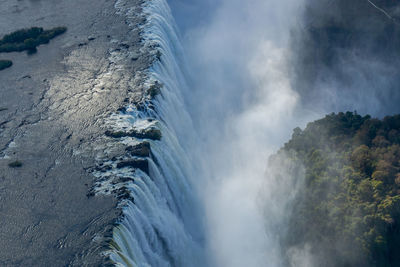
point(166, 221)
point(202, 193)
point(161, 224)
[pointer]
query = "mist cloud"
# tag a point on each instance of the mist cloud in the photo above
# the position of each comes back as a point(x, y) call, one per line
point(346, 56)
point(244, 108)
point(259, 69)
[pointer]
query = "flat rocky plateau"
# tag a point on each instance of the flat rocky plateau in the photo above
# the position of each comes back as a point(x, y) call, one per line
point(53, 107)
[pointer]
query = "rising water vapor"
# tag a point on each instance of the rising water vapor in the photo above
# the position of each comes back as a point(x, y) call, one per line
point(263, 67)
point(244, 108)
point(228, 102)
point(345, 56)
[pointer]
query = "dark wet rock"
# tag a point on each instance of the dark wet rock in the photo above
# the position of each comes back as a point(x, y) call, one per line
point(119, 180)
point(122, 109)
point(103, 179)
point(149, 133)
point(108, 262)
point(125, 179)
point(15, 164)
point(104, 168)
point(123, 193)
point(90, 194)
point(117, 134)
point(124, 45)
point(154, 89)
point(140, 106)
point(139, 150)
point(141, 164)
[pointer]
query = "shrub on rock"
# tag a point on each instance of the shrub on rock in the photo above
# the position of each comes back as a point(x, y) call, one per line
point(15, 164)
point(4, 64)
point(28, 39)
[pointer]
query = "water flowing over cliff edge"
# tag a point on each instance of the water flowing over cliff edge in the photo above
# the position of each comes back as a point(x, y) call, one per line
point(161, 224)
point(124, 142)
point(191, 199)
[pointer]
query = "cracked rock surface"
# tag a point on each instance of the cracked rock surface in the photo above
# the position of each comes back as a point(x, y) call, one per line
point(52, 110)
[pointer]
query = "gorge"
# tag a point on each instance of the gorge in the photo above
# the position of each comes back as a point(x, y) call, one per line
point(160, 133)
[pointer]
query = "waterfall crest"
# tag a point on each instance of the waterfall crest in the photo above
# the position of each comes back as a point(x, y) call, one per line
point(161, 223)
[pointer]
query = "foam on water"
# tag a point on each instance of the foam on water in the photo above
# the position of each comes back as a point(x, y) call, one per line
point(161, 224)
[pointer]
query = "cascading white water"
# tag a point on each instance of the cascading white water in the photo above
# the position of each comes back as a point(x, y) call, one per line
point(244, 108)
point(162, 225)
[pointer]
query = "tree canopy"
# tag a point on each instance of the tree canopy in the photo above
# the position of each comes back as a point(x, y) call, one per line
point(348, 210)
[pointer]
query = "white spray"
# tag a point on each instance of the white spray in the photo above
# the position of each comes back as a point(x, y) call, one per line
point(244, 109)
point(161, 224)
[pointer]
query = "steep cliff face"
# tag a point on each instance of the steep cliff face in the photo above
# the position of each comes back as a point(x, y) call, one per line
point(346, 55)
point(347, 211)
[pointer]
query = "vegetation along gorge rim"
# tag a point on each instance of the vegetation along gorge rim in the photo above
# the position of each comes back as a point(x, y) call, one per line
point(155, 133)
